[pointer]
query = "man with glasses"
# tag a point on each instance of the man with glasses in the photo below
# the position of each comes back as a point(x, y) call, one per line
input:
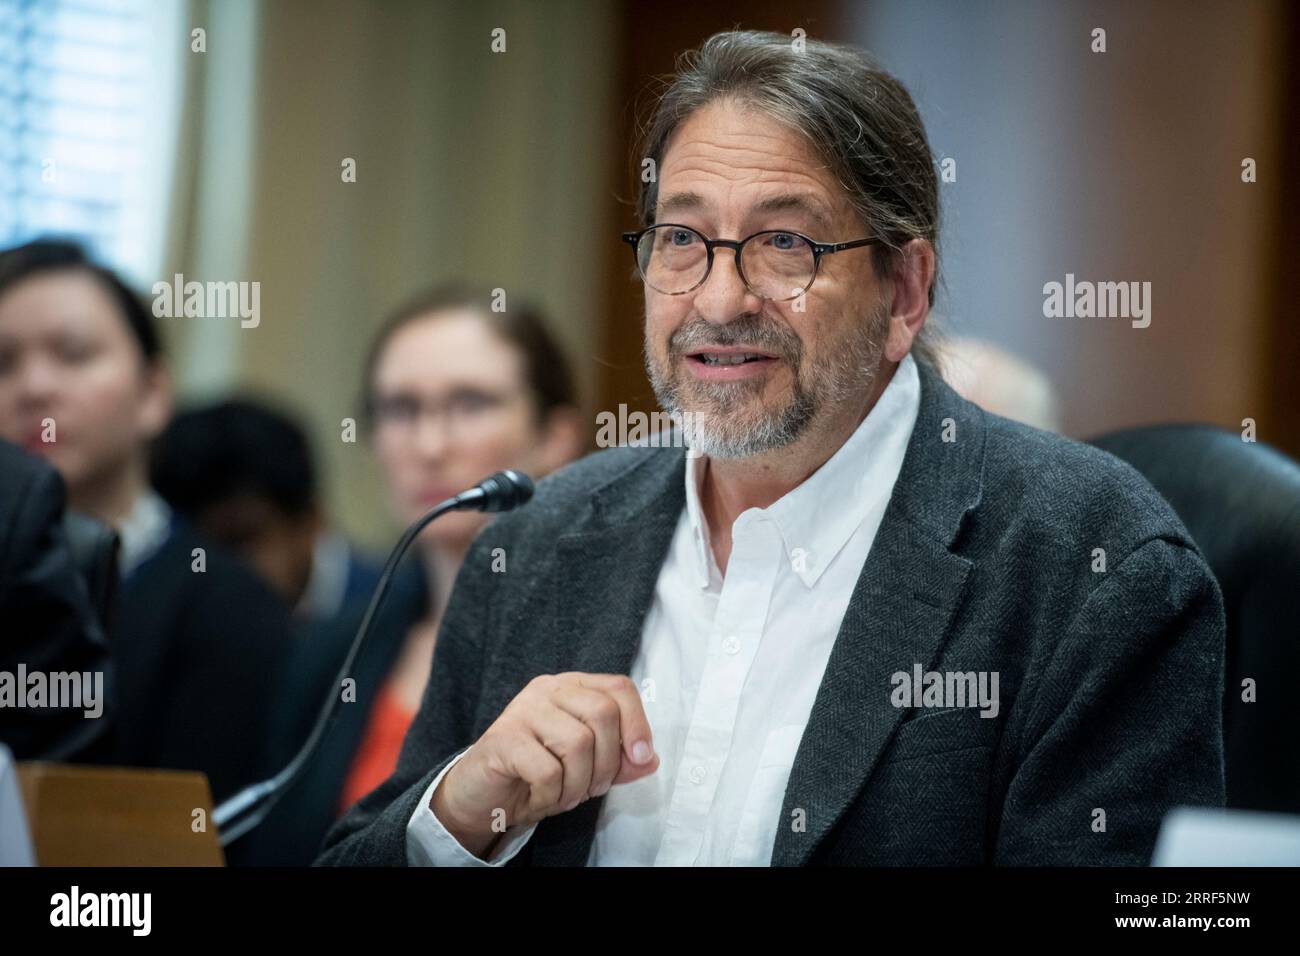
point(862, 622)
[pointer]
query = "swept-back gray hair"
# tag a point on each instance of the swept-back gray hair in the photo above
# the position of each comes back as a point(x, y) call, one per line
point(857, 117)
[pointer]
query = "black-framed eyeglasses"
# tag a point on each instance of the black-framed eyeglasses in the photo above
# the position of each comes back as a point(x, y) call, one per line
point(774, 264)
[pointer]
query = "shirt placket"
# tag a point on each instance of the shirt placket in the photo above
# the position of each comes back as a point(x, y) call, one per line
point(734, 639)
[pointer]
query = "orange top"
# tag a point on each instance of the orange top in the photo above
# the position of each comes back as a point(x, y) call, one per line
point(376, 758)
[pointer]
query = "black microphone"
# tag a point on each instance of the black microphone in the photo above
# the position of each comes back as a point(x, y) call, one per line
point(500, 492)
point(249, 807)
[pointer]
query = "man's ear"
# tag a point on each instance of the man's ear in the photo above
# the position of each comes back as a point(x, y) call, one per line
point(563, 439)
point(913, 272)
point(156, 407)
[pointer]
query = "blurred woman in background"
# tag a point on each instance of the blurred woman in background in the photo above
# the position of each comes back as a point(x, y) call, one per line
point(453, 392)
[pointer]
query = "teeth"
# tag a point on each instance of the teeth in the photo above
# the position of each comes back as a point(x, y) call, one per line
point(711, 359)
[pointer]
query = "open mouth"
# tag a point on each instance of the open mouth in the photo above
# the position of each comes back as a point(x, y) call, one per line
point(707, 359)
point(729, 357)
point(731, 364)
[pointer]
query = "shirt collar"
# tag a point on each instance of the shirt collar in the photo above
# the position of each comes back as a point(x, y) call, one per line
point(143, 531)
point(817, 518)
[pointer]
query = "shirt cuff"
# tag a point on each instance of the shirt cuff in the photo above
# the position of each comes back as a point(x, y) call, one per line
point(428, 843)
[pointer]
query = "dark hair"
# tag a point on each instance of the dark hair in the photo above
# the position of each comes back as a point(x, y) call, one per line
point(44, 256)
point(858, 118)
point(546, 370)
point(236, 447)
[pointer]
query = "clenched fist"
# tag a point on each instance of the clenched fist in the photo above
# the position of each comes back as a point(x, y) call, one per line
point(564, 738)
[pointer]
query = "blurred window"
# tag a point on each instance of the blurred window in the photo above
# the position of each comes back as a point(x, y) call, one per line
point(89, 91)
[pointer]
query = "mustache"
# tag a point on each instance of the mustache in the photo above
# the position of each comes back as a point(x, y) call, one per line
point(753, 331)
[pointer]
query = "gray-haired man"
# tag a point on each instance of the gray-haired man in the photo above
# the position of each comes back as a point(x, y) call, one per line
point(867, 623)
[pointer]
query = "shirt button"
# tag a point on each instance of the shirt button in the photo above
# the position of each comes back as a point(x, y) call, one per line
point(732, 644)
point(698, 774)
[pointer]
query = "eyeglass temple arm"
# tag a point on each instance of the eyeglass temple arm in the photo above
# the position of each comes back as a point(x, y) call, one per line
point(823, 248)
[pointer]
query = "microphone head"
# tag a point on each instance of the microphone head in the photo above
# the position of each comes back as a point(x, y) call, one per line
point(505, 490)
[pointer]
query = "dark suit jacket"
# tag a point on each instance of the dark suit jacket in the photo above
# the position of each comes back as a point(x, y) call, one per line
point(46, 618)
point(200, 659)
point(1110, 682)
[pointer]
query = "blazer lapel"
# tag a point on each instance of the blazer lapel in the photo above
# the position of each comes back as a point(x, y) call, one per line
point(612, 567)
point(898, 616)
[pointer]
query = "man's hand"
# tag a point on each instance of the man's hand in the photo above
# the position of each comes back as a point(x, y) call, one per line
point(564, 738)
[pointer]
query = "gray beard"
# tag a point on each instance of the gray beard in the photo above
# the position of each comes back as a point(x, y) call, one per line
point(713, 417)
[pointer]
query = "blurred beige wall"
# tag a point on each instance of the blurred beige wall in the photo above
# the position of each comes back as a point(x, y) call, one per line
point(469, 164)
point(1123, 165)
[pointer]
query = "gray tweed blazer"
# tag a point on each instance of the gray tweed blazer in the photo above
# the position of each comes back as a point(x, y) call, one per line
point(987, 560)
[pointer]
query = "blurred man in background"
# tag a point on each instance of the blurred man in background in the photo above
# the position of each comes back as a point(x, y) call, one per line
point(244, 474)
point(199, 642)
point(999, 382)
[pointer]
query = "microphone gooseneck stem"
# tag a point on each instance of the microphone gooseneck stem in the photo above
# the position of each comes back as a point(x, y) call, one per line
point(246, 809)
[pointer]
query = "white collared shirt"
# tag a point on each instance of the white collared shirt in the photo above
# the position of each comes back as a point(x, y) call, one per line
point(729, 667)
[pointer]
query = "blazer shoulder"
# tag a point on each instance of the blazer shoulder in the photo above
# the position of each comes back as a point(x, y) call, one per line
point(600, 468)
point(31, 497)
point(564, 497)
point(1073, 487)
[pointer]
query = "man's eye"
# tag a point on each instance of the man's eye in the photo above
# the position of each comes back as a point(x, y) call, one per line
point(783, 241)
point(681, 237)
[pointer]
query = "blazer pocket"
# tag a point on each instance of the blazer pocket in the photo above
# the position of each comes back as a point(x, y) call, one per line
point(959, 728)
point(761, 816)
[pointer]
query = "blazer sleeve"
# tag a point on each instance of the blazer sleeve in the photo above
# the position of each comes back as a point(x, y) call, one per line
point(373, 832)
point(1125, 722)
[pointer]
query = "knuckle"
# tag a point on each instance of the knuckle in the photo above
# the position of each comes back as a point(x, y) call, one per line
point(552, 778)
point(576, 740)
point(506, 731)
point(624, 683)
point(606, 710)
point(540, 683)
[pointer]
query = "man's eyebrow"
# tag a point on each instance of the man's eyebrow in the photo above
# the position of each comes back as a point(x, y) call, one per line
point(785, 202)
point(683, 201)
point(797, 202)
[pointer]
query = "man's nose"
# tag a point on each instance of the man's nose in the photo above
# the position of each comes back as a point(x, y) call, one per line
point(724, 295)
